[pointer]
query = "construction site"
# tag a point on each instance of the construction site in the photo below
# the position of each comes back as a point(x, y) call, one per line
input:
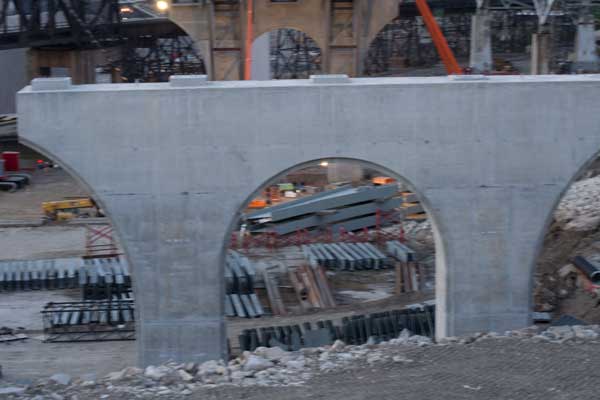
point(289, 199)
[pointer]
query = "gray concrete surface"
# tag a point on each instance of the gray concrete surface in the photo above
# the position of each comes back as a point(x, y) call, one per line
point(13, 64)
point(261, 57)
point(489, 158)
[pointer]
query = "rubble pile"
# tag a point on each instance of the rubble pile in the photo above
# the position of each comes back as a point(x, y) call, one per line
point(579, 209)
point(266, 367)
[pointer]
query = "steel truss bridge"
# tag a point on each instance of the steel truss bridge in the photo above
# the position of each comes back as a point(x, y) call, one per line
point(136, 24)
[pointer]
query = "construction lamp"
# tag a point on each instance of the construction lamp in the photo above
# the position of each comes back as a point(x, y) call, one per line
point(162, 5)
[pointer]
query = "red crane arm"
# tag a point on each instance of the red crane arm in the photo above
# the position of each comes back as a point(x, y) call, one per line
point(438, 39)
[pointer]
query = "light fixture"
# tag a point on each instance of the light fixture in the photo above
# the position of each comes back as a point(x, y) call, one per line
point(162, 5)
point(324, 163)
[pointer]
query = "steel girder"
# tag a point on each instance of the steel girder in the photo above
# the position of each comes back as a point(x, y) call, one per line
point(42, 22)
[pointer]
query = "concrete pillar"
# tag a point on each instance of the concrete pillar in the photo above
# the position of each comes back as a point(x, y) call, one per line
point(481, 42)
point(586, 54)
point(540, 52)
point(261, 58)
point(13, 64)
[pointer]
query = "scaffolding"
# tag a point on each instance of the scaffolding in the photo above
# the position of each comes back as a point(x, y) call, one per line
point(294, 55)
point(154, 59)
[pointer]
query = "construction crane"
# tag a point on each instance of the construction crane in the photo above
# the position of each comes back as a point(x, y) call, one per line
point(63, 210)
point(438, 39)
point(435, 32)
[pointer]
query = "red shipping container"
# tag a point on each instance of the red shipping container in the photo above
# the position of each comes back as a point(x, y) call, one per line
point(11, 161)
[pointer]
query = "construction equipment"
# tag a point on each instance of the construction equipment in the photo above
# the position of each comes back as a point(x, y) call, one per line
point(63, 210)
point(257, 204)
point(438, 39)
point(382, 180)
point(12, 181)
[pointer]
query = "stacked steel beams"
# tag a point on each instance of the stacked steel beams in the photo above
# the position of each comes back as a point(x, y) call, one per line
point(343, 209)
point(99, 278)
point(410, 275)
point(418, 319)
point(400, 251)
point(89, 321)
point(348, 256)
point(240, 276)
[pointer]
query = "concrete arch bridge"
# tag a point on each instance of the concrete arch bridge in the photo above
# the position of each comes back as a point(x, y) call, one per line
point(503, 148)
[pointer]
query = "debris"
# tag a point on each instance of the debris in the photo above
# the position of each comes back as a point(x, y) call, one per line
point(11, 335)
point(256, 363)
point(61, 379)
point(12, 390)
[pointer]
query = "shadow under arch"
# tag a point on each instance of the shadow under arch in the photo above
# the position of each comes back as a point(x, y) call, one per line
point(285, 52)
point(539, 245)
point(439, 243)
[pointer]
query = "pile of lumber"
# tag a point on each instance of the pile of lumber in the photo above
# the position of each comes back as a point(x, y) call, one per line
point(311, 286)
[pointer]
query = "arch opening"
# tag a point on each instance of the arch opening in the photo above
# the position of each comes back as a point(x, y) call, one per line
point(404, 47)
point(564, 279)
point(154, 59)
point(285, 53)
point(64, 272)
point(323, 244)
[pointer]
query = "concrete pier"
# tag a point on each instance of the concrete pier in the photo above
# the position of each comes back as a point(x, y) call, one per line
point(481, 42)
point(488, 156)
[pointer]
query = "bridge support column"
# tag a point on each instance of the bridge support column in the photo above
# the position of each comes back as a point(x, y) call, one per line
point(199, 22)
point(481, 41)
point(586, 55)
point(540, 52)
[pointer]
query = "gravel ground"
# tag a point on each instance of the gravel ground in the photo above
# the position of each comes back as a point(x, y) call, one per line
point(23, 362)
point(490, 369)
point(31, 243)
point(48, 185)
point(22, 309)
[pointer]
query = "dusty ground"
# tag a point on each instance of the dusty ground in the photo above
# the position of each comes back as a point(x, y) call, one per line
point(487, 369)
point(23, 362)
point(26, 204)
point(22, 309)
point(31, 243)
point(31, 359)
point(492, 369)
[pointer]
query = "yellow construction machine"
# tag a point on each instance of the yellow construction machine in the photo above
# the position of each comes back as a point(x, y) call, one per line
point(63, 210)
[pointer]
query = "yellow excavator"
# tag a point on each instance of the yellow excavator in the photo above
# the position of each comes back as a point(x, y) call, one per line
point(64, 210)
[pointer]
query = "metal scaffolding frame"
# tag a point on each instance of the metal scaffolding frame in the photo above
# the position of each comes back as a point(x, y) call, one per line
point(406, 43)
point(154, 59)
point(50, 22)
point(293, 55)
